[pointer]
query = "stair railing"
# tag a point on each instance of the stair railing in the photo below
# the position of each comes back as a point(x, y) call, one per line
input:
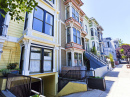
point(97, 58)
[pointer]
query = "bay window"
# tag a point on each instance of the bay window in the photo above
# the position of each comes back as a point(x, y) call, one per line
point(43, 21)
point(76, 36)
point(75, 14)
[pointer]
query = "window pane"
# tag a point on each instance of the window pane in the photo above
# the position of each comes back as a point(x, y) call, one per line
point(68, 35)
point(73, 10)
point(37, 25)
point(38, 13)
point(75, 39)
point(35, 59)
point(49, 18)
point(77, 14)
point(80, 62)
point(74, 31)
point(77, 19)
point(92, 32)
point(48, 29)
point(78, 41)
point(80, 56)
point(47, 60)
point(73, 15)
point(69, 59)
point(75, 55)
point(78, 33)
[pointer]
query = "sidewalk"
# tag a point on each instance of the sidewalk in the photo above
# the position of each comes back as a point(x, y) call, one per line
point(117, 84)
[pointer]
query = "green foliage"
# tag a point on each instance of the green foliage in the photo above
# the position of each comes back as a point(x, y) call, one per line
point(94, 51)
point(35, 96)
point(15, 7)
point(12, 65)
point(122, 51)
point(96, 77)
point(5, 72)
point(111, 57)
point(123, 57)
point(120, 42)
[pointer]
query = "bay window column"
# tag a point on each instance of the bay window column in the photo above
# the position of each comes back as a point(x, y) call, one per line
point(30, 22)
point(27, 44)
point(71, 34)
point(70, 9)
point(72, 58)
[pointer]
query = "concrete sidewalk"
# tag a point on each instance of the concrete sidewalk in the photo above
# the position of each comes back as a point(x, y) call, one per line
point(117, 84)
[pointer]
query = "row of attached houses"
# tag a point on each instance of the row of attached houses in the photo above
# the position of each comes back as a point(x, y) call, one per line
point(52, 39)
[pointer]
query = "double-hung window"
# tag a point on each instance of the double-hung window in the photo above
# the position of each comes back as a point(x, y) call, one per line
point(76, 36)
point(69, 59)
point(75, 14)
point(67, 12)
point(43, 21)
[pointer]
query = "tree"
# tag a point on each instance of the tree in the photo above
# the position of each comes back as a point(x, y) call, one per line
point(123, 51)
point(111, 59)
point(120, 42)
point(15, 7)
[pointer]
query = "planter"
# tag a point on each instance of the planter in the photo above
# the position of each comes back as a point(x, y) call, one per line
point(14, 72)
point(97, 83)
point(3, 82)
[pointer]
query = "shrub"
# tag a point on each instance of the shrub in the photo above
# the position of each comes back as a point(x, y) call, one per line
point(94, 51)
point(5, 72)
point(12, 65)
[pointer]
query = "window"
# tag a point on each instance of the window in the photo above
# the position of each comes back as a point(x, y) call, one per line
point(93, 44)
point(43, 21)
point(35, 60)
point(67, 12)
point(108, 44)
point(78, 59)
point(40, 60)
point(96, 33)
point(49, 24)
point(1, 21)
point(92, 34)
point(75, 14)
point(86, 29)
point(80, 23)
point(76, 36)
point(69, 59)
point(68, 35)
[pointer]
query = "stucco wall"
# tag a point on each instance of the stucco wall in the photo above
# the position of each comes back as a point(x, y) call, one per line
point(101, 71)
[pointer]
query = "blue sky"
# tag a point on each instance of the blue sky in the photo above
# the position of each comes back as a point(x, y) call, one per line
point(112, 15)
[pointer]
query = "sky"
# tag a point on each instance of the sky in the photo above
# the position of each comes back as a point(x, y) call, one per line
point(112, 15)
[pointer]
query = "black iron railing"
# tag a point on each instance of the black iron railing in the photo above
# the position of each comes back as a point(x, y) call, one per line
point(3, 30)
point(74, 75)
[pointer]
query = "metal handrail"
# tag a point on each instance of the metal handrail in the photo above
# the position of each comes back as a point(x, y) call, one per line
point(97, 58)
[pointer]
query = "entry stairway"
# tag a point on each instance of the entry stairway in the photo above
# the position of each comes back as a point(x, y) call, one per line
point(95, 61)
point(73, 81)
